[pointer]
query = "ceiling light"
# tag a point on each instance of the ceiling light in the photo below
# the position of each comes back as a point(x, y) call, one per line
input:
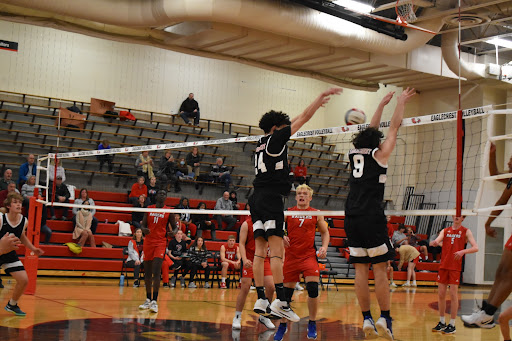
point(500, 42)
point(354, 6)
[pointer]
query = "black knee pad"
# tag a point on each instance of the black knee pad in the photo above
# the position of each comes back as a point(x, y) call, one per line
point(312, 288)
point(289, 293)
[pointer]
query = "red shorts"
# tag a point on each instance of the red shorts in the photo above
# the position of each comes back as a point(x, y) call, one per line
point(416, 260)
point(508, 246)
point(445, 276)
point(152, 251)
point(292, 268)
point(248, 273)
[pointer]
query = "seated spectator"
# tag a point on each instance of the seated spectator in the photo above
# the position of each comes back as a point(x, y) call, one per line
point(177, 248)
point(144, 166)
point(135, 256)
point(190, 109)
point(6, 179)
point(82, 230)
point(420, 245)
point(434, 250)
point(224, 204)
point(399, 238)
point(182, 171)
point(83, 197)
point(234, 200)
point(27, 191)
point(300, 173)
point(167, 172)
point(220, 173)
point(60, 171)
point(185, 218)
point(11, 187)
point(230, 259)
point(62, 196)
point(152, 189)
point(108, 158)
point(193, 162)
point(198, 261)
point(27, 169)
point(138, 216)
point(203, 221)
point(138, 189)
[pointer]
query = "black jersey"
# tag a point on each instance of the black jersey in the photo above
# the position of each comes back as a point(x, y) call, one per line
point(367, 179)
point(271, 161)
point(8, 228)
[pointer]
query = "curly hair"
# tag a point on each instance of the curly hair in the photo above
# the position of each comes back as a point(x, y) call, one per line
point(273, 118)
point(368, 138)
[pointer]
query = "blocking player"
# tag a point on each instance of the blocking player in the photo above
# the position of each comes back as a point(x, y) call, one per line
point(502, 286)
point(13, 223)
point(156, 227)
point(230, 259)
point(300, 255)
point(271, 184)
point(246, 247)
point(365, 222)
point(453, 240)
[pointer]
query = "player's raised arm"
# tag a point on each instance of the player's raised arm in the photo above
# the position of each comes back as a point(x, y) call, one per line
point(375, 123)
point(323, 228)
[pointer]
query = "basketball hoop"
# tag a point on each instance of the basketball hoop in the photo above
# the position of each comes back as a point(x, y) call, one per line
point(405, 11)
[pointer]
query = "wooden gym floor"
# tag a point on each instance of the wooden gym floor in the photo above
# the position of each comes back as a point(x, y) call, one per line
point(95, 309)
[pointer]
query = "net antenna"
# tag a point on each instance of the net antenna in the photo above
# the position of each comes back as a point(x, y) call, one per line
point(405, 11)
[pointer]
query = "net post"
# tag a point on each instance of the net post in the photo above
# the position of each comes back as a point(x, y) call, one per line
point(33, 231)
point(460, 136)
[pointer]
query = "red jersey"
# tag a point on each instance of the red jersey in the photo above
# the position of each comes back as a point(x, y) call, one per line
point(230, 253)
point(250, 244)
point(454, 240)
point(301, 231)
point(157, 225)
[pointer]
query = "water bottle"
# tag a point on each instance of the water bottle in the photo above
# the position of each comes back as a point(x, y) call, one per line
point(188, 234)
point(121, 281)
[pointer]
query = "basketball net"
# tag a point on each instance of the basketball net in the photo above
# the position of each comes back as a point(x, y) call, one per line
point(405, 11)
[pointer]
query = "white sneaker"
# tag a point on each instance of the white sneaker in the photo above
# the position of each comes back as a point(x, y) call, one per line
point(146, 304)
point(406, 284)
point(262, 307)
point(393, 285)
point(237, 323)
point(266, 322)
point(414, 284)
point(479, 319)
point(154, 307)
point(298, 287)
point(252, 287)
point(369, 330)
point(383, 329)
point(282, 309)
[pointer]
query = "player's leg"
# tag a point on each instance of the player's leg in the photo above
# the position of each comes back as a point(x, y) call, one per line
point(312, 284)
point(240, 302)
point(21, 283)
point(155, 282)
point(224, 274)
point(454, 302)
point(383, 324)
point(148, 277)
point(441, 303)
point(504, 319)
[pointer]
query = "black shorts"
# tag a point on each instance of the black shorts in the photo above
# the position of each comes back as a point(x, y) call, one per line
point(368, 239)
point(267, 213)
point(11, 263)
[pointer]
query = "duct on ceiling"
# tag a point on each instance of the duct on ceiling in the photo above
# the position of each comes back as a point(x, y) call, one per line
point(450, 50)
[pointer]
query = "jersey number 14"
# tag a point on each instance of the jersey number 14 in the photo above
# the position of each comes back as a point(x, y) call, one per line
point(259, 164)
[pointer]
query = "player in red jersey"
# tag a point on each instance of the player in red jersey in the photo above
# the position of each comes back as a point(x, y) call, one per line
point(300, 255)
point(230, 258)
point(156, 226)
point(454, 240)
point(246, 247)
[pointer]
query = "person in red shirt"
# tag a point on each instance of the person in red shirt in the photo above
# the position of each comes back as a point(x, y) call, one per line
point(453, 240)
point(300, 173)
point(301, 255)
point(230, 258)
point(138, 189)
point(246, 247)
point(157, 226)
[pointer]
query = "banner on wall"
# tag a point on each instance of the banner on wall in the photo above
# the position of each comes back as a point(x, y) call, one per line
point(8, 45)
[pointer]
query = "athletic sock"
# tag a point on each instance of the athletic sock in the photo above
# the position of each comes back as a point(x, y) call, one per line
point(238, 314)
point(490, 309)
point(155, 296)
point(367, 314)
point(223, 279)
point(280, 292)
point(385, 313)
point(13, 302)
point(261, 293)
point(442, 320)
point(452, 322)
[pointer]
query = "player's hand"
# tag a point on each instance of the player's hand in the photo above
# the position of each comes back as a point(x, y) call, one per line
point(247, 264)
point(208, 222)
point(38, 251)
point(493, 148)
point(204, 264)
point(286, 241)
point(387, 98)
point(490, 231)
point(434, 243)
point(8, 243)
point(406, 95)
point(322, 252)
point(458, 255)
point(137, 262)
point(324, 96)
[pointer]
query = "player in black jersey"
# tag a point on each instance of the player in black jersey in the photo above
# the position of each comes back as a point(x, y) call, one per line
point(365, 222)
point(14, 223)
point(270, 186)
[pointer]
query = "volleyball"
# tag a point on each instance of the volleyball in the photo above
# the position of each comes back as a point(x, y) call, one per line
point(355, 116)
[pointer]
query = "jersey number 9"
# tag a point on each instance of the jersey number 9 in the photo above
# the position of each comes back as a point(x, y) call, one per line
point(358, 166)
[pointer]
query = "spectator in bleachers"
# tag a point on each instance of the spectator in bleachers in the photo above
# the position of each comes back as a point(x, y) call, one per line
point(61, 195)
point(82, 230)
point(198, 261)
point(138, 216)
point(224, 204)
point(234, 200)
point(411, 256)
point(11, 188)
point(399, 237)
point(434, 250)
point(182, 171)
point(420, 245)
point(138, 189)
point(60, 171)
point(27, 169)
point(177, 248)
point(203, 221)
point(230, 259)
point(218, 173)
point(144, 166)
point(193, 162)
point(167, 172)
point(4, 181)
point(108, 158)
point(135, 256)
point(185, 218)
point(152, 189)
point(190, 109)
point(27, 191)
point(83, 197)
point(300, 173)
